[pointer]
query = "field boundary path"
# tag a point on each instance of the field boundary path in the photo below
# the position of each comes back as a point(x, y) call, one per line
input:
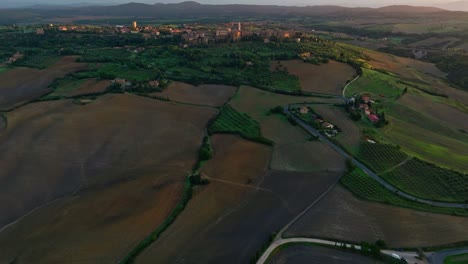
point(373, 175)
point(348, 84)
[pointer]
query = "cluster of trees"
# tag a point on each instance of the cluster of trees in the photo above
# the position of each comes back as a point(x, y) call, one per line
point(138, 87)
point(373, 250)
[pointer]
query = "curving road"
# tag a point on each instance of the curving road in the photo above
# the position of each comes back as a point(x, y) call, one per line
point(358, 164)
point(348, 84)
point(409, 255)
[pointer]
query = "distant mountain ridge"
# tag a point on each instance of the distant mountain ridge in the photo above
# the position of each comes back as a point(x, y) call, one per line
point(409, 9)
point(191, 9)
point(195, 8)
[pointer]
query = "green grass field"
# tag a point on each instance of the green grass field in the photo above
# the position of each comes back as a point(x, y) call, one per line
point(381, 157)
point(381, 85)
point(284, 81)
point(114, 70)
point(39, 59)
point(363, 186)
point(3, 69)
point(106, 55)
point(457, 259)
point(426, 138)
point(65, 85)
point(428, 181)
point(229, 121)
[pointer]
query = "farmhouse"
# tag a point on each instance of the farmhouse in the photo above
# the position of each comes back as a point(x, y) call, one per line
point(373, 117)
point(119, 81)
point(303, 110)
point(366, 98)
point(122, 82)
point(364, 106)
point(305, 55)
point(14, 58)
point(327, 125)
point(154, 84)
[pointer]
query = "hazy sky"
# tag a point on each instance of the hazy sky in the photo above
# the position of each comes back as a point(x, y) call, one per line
point(372, 3)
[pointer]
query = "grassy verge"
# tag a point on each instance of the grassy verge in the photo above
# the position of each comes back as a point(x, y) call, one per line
point(457, 259)
point(364, 187)
point(370, 250)
point(3, 121)
point(265, 246)
point(379, 84)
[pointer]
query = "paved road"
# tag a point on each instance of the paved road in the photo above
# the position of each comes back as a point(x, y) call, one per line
point(280, 242)
point(438, 257)
point(262, 260)
point(369, 172)
point(344, 89)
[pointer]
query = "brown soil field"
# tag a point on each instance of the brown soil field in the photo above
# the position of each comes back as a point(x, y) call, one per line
point(350, 134)
point(327, 78)
point(307, 156)
point(445, 114)
point(257, 103)
point(230, 217)
point(232, 154)
point(277, 128)
point(294, 152)
point(21, 85)
point(90, 86)
point(406, 67)
point(309, 254)
point(228, 187)
point(205, 94)
point(119, 149)
point(342, 216)
point(98, 225)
